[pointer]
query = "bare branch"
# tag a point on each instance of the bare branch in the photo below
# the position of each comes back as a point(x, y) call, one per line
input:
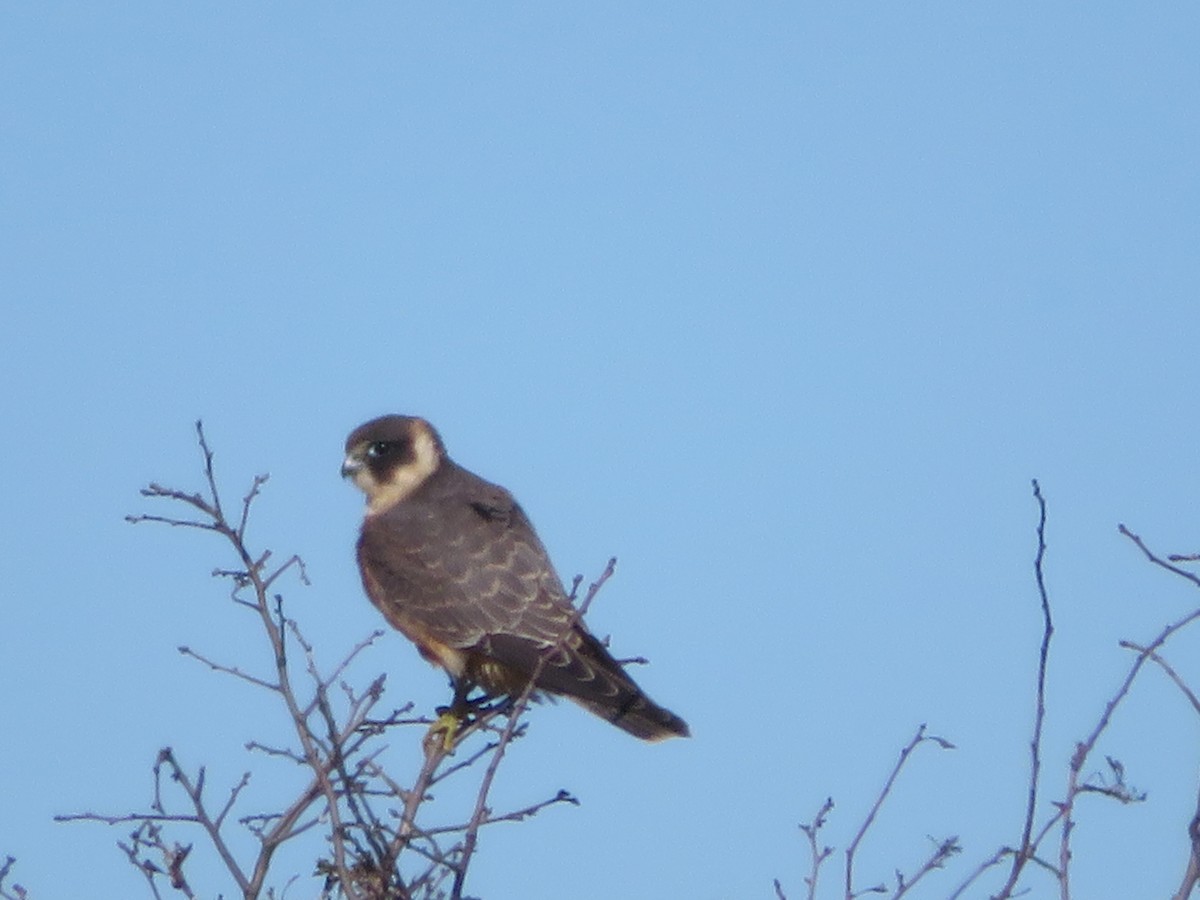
point(1161, 563)
point(942, 851)
point(228, 670)
point(148, 869)
point(817, 855)
point(195, 793)
point(128, 817)
point(1026, 849)
point(336, 734)
point(15, 891)
point(516, 815)
point(1191, 874)
point(255, 487)
point(293, 561)
point(1084, 748)
point(994, 860)
point(1166, 667)
point(919, 738)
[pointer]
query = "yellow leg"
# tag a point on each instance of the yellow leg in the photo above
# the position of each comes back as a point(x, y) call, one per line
point(448, 724)
point(452, 718)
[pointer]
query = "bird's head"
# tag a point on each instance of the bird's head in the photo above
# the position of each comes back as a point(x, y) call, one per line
point(390, 457)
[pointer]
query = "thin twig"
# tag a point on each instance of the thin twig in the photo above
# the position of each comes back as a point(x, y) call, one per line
point(516, 815)
point(817, 855)
point(255, 487)
point(1084, 748)
point(16, 892)
point(1191, 873)
point(1026, 848)
point(228, 670)
point(994, 860)
point(1171, 673)
point(918, 738)
point(942, 851)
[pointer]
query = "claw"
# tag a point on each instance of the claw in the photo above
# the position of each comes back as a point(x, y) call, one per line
point(452, 720)
point(448, 724)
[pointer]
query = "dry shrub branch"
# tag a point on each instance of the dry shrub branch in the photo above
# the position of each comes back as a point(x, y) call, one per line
point(1035, 856)
point(370, 830)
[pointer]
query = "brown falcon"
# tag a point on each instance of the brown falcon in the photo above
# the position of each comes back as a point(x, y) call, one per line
point(452, 561)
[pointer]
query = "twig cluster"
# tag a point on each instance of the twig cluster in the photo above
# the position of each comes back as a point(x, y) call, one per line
point(1111, 783)
point(943, 849)
point(1060, 819)
point(376, 842)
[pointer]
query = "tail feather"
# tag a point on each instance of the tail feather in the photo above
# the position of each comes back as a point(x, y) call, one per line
point(584, 671)
point(643, 718)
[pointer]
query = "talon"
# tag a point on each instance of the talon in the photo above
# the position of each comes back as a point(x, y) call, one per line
point(451, 720)
point(445, 728)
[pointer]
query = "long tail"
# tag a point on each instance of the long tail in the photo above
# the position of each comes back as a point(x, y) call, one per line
point(588, 674)
point(584, 671)
point(642, 718)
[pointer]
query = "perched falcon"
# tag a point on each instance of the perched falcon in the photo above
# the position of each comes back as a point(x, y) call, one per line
point(452, 562)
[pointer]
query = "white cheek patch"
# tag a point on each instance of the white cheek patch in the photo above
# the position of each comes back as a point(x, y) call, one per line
point(405, 479)
point(363, 481)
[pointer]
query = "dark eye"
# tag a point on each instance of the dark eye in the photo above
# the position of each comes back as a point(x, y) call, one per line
point(379, 449)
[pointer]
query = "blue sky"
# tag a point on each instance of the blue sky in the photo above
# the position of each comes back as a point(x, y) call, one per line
point(783, 306)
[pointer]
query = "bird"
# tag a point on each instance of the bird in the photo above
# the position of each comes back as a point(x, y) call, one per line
point(453, 563)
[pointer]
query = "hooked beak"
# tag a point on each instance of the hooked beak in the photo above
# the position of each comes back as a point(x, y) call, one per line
point(351, 466)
